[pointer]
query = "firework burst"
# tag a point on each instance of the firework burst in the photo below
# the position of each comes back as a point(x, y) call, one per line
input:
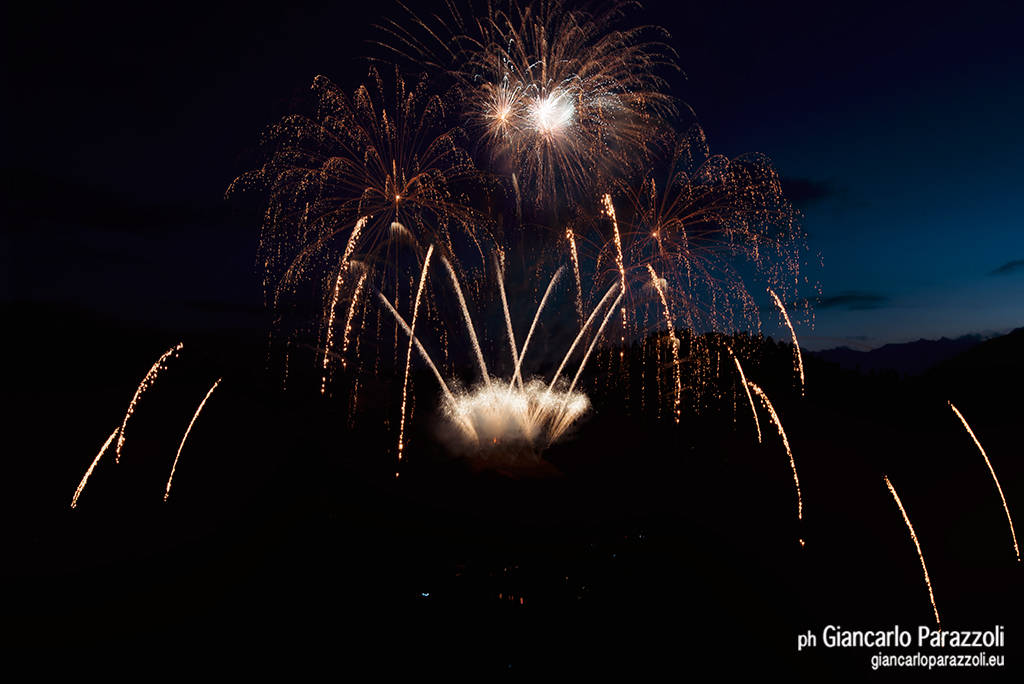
point(558, 95)
point(356, 189)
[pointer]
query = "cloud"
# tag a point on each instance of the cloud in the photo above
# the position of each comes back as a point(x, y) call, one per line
point(804, 191)
point(1009, 267)
point(853, 301)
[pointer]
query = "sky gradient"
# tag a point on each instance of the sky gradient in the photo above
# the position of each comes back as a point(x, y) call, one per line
point(897, 131)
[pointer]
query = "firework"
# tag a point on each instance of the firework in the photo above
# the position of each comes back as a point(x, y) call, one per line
point(371, 178)
point(750, 399)
point(556, 93)
point(676, 372)
point(92, 466)
point(798, 360)
point(199, 409)
point(995, 479)
point(517, 375)
point(517, 417)
point(147, 382)
point(917, 545)
point(785, 442)
point(408, 354)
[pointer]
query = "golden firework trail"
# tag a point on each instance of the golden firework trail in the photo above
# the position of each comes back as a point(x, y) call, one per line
point(571, 237)
point(565, 420)
point(508, 316)
point(469, 322)
point(792, 332)
point(529, 335)
point(408, 352)
point(426, 358)
point(917, 545)
point(785, 442)
point(348, 320)
point(330, 328)
point(579, 337)
point(593, 343)
point(995, 479)
point(346, 258)
point(147, 382)
point(199, 409)
point(677, 398)
point(92, 466)
point(753, 409)
point(609, 209)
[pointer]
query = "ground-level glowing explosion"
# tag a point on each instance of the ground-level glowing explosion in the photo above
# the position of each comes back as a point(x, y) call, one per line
point(510, 416)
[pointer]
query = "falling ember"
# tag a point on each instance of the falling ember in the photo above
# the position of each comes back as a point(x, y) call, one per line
point(792, 332)
point(508, 316)
point(583, 329)
point(170, 479)
point(609, 209)
point(675, 344)
point(575, 270)
point(92, 466)
point(469, 322)
point(519, 362)
point(994, 478)
point(917, 544)
point(330, 327)
point(147, 382)
point(785, 442)
point(360, 284)
point(408, 353)
point(753, 409)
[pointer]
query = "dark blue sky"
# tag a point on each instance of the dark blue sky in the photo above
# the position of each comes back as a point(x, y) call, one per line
point(896, 128)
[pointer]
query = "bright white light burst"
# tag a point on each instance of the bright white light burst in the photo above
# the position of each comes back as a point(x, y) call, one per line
point(552, 113)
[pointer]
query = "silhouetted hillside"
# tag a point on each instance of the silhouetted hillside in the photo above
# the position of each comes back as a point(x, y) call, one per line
point(907, 358)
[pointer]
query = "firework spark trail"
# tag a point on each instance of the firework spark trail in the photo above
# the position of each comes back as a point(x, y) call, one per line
point(677, 399)
point(469, 322)
point(426, 357)
point(147, 382)
point(753, 409)
point(508, 317)
point(995, 479)
point(92, 466)
point(917, 544)
point(575, 270)
point(536, 317)
point(408, 352)
point(565, 420)
point(792, 332)
point(515, 184)
point(170, 479)
point(348, 320)
point(785, 442)
point(609, 209)
point(419, 346)
point(330, 328)
point(346, 258)
point(579, 337)
point(597, 336)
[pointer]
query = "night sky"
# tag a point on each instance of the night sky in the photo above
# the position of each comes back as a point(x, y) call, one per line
point(897, 131)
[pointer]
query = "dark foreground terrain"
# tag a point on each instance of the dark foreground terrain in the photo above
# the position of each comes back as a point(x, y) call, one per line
point(637, 546)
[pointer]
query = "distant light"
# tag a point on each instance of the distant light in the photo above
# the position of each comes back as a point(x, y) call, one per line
point(425, 594)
